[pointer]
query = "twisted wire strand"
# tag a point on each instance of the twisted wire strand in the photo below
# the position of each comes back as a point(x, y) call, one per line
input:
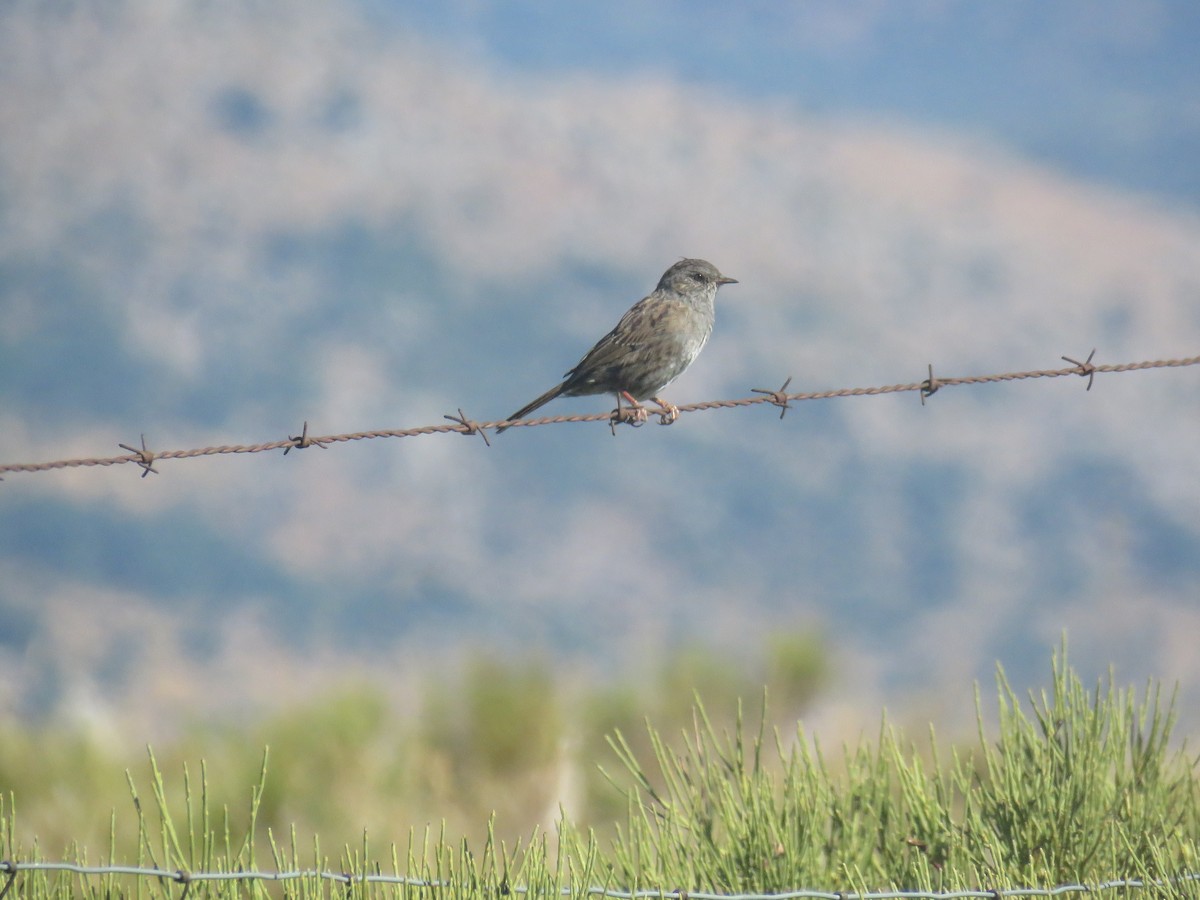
point(460, 424)
point(12, 869)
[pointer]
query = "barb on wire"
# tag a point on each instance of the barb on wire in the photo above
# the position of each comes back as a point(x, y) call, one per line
point(929, 386)
point(349, 878)
point(624, 414)
point(469, 427)
point(778, 398)
point(1085, 367)
point(145, 457)
point(303, 441)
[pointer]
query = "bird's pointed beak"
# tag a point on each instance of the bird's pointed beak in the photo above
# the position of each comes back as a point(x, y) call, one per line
point(724, 280)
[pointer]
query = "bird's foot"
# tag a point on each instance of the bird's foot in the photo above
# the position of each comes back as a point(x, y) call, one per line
point(667, 412)
point(635, 414)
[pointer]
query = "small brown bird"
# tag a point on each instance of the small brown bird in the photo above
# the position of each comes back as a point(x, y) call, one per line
point(651, 346)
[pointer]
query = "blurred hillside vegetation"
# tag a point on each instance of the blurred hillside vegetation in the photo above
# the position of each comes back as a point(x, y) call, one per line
point(513, 739)
point(1074, 789)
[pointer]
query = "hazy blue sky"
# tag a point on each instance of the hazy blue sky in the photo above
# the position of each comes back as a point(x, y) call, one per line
point(1108, 90)
point(220, 220)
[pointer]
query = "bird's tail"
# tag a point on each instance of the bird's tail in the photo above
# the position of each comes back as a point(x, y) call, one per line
point(530, 407)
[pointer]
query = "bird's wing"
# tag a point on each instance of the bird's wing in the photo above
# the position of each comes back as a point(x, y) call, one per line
point(640, 322)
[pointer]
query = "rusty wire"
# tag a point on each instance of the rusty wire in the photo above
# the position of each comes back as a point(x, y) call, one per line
point(145, 458)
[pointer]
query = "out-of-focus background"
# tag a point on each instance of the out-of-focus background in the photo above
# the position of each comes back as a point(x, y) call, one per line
point(219, 220)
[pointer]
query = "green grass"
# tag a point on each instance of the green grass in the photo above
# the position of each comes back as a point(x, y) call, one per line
point(1076, 785)
point(1083, 786)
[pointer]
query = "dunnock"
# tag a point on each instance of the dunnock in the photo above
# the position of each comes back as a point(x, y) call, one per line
point(651, 346)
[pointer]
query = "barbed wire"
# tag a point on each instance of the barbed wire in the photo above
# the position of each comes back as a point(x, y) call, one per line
point(145, 458)
point(187, 879)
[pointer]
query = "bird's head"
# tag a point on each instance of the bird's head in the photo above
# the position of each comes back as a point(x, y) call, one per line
point(690, 275)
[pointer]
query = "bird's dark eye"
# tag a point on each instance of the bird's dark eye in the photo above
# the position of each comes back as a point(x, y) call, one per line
point(698, 276)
